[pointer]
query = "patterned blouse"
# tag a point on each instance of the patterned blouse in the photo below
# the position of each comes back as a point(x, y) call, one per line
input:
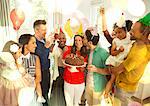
point(29, 64)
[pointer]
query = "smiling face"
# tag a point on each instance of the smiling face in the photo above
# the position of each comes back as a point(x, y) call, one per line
point(31, 46)
point(78, 42)
point(120, 33)
point(135, 31)
point(62, 40)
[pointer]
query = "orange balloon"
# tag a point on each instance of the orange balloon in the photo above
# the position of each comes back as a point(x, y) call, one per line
point(17, 17)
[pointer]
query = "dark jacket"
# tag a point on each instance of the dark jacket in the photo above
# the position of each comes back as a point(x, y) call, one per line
point(43, 54)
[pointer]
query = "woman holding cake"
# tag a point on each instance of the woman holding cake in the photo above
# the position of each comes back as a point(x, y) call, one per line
point(74, 56)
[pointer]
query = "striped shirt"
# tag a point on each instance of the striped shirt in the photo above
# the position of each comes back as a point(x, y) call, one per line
point(29, 64)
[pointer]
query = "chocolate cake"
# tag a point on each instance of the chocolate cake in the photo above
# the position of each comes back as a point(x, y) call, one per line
point(75, 60)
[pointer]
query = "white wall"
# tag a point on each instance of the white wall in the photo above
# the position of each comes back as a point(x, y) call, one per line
point(92, 10)
point(40, 9)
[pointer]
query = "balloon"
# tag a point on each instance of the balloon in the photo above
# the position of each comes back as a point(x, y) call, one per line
point(136, 7)
point(17, 17)
point(75, 24)
point(68, 29)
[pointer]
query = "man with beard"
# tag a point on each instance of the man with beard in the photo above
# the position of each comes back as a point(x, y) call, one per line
point(57, 98)
point(131, 70)
point(62, 44)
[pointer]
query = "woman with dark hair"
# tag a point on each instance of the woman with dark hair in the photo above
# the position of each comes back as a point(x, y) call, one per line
point(83, 49)
point(31, 62)
point(74, 81)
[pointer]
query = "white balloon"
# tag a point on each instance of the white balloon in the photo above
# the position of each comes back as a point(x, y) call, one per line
point(136, 7)
point(74, 22)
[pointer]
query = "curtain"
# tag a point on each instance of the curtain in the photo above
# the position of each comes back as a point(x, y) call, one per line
point(4, 22)
point(4, 15)
point(6, 28)
point(4, 8)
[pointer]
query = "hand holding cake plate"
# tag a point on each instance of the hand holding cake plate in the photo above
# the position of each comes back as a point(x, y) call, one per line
point(74, 62)
point(73, 68)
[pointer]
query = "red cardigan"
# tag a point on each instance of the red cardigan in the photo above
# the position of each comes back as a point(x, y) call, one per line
point(73, 77)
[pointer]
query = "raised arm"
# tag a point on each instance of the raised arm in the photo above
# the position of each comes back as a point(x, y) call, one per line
point(104, 26)
point(102, 13)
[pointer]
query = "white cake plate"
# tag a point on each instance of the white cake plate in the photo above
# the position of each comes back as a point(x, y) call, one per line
point(73, 68)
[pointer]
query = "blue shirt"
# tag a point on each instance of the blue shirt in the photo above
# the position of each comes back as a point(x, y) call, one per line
point(43, 54)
